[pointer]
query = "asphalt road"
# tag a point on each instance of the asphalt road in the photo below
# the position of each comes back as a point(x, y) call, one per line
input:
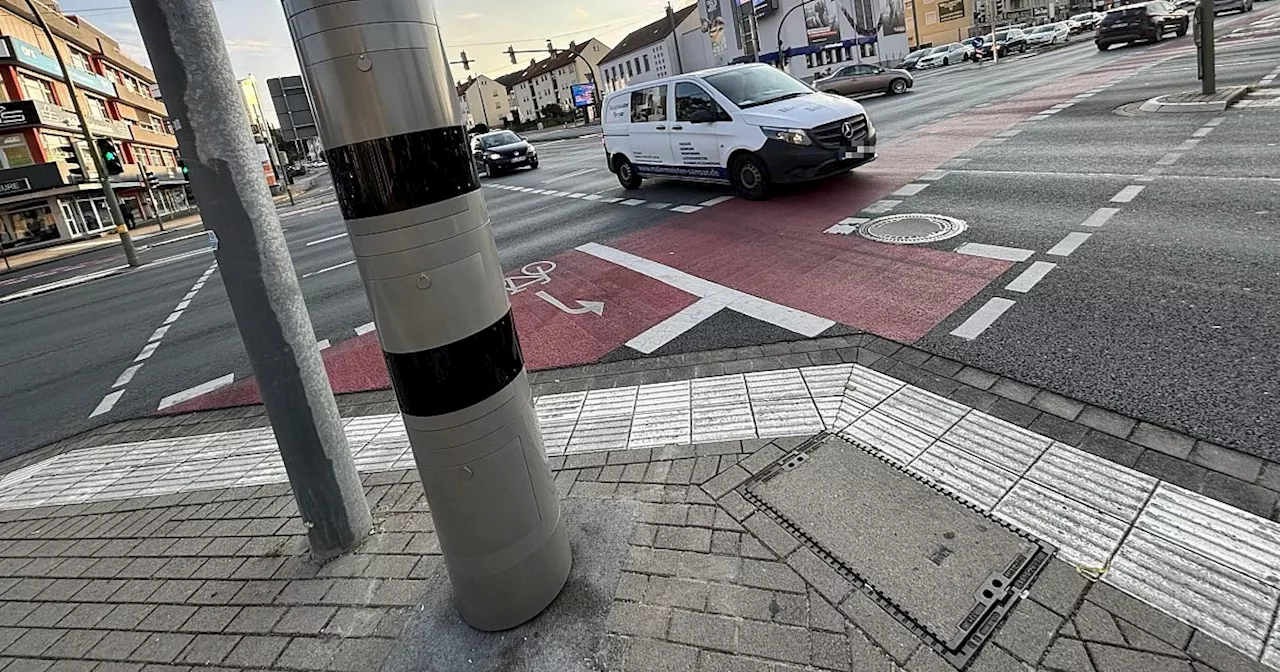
point(1112, 325)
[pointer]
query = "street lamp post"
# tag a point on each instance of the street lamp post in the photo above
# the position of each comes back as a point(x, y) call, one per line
point(104, 178)
point(782, 22)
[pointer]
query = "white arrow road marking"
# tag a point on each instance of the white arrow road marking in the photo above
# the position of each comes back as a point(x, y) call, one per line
point(596, 307)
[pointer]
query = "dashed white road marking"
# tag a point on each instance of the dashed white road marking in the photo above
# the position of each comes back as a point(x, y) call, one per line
point(686, 209)
point(366, 328)
point(910, 189)
point(331, 268)
point(1215, 121)
point(325, 240)
point(159, 333)
point(1188, 144)
point(881, 207)
point(933, 176)
point(324, 344)
point(984, 318)
point(1128, 193)
point(1100, 216)
point(198, 390)
point(173, 317)
point(1008, 133)
point(612, 200)
point(147, 350)
point(108, 402)
point(591, 197)
point(127, 376)
point(1029, 278)
point(716, 201)
point(1169, 159)
point(183, 305)
point(633, 202)
point(995, 251)
point(1069, 244)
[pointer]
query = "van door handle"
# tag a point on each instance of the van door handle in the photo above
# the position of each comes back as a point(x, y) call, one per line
point(660, 128)
point(677, 128)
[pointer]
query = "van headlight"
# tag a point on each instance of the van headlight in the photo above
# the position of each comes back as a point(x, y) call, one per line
point(794, 136)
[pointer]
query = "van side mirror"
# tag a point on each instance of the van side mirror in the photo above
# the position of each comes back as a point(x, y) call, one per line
point(702, 116)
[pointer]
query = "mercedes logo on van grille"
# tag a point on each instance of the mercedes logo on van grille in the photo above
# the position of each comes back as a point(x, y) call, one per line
point(911, 229)
point(847, 129)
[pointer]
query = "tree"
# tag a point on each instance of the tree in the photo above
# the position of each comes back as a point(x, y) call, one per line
point(552, 110)
point(480, 128)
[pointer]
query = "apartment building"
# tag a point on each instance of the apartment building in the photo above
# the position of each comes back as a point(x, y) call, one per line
point(41, 202)
point(548, 81)
point(650, 52)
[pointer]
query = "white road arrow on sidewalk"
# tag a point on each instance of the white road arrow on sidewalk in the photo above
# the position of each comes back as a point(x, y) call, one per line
point(596, 307)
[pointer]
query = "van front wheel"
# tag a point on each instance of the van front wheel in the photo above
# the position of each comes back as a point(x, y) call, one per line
point(750, 178)
point(627, 175)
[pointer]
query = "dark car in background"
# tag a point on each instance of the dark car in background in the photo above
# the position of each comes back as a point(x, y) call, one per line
point(913, 58)
point(502, 151)
point(1220, 6)
point(1141, 22)
point(1006, 42)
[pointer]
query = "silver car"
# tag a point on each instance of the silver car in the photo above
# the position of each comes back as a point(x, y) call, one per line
point(1053, 33)
point(944, 55)
point(865, 78)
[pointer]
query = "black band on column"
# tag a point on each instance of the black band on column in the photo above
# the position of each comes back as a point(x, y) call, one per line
point(459, 375)
point(380, 177)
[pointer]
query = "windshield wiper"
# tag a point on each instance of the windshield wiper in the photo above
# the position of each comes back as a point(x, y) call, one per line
point(766, 101)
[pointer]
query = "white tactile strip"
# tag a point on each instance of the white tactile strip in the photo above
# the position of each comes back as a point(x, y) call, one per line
point(1197, 559)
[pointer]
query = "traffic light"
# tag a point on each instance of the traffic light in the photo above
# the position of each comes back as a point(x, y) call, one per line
point(550, 49)
point(182, 165)
point(466, 64)
point(511, 51)
point(110, 156)
point(69, 155)
point(153, 180)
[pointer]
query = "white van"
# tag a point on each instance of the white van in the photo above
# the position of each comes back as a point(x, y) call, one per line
point(752, 126)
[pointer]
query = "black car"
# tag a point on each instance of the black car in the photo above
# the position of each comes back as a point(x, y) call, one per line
point(1144, 21)
point(502, 151)
point(1007, 42)
point(909, 63)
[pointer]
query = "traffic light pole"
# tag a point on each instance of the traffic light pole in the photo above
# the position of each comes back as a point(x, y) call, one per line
point(151, 196)
point(190, 59)
point(104, 178)
point(408, 189)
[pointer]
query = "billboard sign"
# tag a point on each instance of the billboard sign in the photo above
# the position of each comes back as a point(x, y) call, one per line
point(949, 10)
point(584, 95)
point(32, 57)
point(821, 22)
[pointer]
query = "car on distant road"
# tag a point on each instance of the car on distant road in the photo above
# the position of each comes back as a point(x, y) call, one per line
point(1088, 20)
point(944, 55)
point(865, 78)
point(1220, 6)
point(502, 151)
point(913, 58)
point(1145, 21)
point(1006, 42)
point(1048, 34)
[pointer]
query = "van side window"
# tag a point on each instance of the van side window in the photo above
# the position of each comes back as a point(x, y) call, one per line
point(649, 104)
point(691, 98)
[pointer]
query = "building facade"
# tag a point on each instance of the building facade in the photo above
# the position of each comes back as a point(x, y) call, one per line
point(933, 23)
point(484, 101)
point(41, 201)
point(808, 37)
point(650, 52)
point(548, 82)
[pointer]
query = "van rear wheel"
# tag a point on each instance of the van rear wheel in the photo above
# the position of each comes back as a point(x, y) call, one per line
point(628, 177)
point(750, 178)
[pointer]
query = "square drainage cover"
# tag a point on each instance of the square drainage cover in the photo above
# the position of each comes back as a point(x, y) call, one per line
point(945, 570)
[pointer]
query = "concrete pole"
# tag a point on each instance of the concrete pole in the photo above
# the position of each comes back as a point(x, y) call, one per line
point(1208, 68)
point(407, 186)
point(191, 63)
point(104, 178)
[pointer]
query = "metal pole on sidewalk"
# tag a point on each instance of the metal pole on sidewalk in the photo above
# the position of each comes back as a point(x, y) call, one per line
point(408, 189)
point(1205, 40)
point(104, 179)
point(191, 63)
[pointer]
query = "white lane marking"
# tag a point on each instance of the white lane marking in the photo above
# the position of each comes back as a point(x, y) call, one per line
point(1052, 110)
point(1215, 121)
point(331, 268)
point(147, 350)
point(183, 305)
point(667, 330)
point(985, 317)
point(324, 344)
point(159, 333)
point(108, 402)
point(127, 376)
point(591, 197)
point(747, 304)
point(686, 209)
point(1038, 117)
point(613, 200)
point(1188, 144)
point(173, 317)
point(198, 390)
point(313, 208)
point(1028, 279)
point(1100, 216)
point(841, 229)
point(716, 201)
point(633, 202)
point(1127, 194)
point(584, 171)
point(933, 175)
point(995, 251)
point(1169, 159)
point(1067, 245)
point(325, 240)
point(577, 195)
point(854, 220)
point(910, 189)
point(1008, 133)
point(366, 328)
point(191, 294)
point(881, 207)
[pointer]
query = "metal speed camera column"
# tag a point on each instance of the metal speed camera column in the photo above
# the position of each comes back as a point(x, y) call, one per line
point(392, 126)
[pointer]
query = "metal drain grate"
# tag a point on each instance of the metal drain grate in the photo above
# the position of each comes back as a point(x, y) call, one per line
point(946, 571)
point(912, 229)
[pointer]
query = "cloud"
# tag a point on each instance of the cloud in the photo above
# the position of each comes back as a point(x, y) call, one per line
point(580, 12)
point(469, 16)
point(251, 46)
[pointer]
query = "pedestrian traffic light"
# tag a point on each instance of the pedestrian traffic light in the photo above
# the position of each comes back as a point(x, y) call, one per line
point(153, 180)
point(110, 156)
point(182, 165)
point(511, 51)
point(69, 155)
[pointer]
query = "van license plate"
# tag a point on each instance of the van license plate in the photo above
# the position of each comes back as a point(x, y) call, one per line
point(852, 155)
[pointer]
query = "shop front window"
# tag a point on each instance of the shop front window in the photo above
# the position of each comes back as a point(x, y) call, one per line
point(28, 226)
point(14, 152)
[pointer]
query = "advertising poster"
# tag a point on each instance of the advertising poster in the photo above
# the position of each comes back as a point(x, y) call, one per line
point(821, 22)
point(893, 21)
point(584, 95)
point(715, 27)
point(863, 19)
point(949, 10)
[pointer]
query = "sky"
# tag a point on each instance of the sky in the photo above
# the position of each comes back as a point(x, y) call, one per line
point(258, 37)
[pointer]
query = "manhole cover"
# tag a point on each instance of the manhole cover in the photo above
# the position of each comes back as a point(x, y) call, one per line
point(911, 229)
point(944, 570)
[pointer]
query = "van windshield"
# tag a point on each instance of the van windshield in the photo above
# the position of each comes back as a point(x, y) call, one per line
point(757, 85)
